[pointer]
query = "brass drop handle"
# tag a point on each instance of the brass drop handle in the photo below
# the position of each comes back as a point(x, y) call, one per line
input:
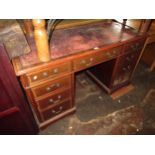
point(90, 61)
point(58, 99)
point(51, 100)
point(55, 70)
point(45, 74)
point(55, 85)
point(35, 77)
point(109, 54)
point(49, 88)
point(83, 61)
point(59, 110)
point(114, 51)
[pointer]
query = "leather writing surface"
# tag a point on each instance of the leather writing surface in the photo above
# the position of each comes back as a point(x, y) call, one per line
point(65, 42)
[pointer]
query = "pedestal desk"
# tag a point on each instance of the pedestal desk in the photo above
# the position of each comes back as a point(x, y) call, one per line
point(108, 51)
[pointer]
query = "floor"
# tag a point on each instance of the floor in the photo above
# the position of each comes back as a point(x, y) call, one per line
point(97, 113)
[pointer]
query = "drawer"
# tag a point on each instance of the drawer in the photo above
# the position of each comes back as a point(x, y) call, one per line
point(125, 68)
point(123, 74)
point(58, 109)
point(56, 70)
point(51, 86)
point(134, 46)
point(121, 79)
point(53, 99)
point(129, 60)
point(84, 62)
point(91, 60)
point(112, 53)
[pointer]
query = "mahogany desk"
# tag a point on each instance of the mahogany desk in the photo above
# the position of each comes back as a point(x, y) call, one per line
point(50, 87)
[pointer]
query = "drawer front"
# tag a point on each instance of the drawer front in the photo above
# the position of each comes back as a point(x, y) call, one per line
point(112, 53)
point(91, 60)
point(84, 62)
point(58, 109)
point(48, 73)
point(125, 68)
point(134, 46)
point(128, 61)
point(121, 77)
point(51, 86)
point(53, 99)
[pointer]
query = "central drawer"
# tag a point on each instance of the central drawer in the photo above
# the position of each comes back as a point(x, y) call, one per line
point(51, 86)
point(91, 60)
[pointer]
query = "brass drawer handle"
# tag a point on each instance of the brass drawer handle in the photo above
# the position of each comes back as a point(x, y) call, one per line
point(55, 70)
point(55, 85)
point(90, 62)
point(59, 97)
point(35, 77)
point(91, 59)
point(58, 100)
point(49, 88)
point(58, 85)
point(114, 52)
point(109, 54)
point(59, 110)
point(51, 100)
point(83, 61)
point(45, 74)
